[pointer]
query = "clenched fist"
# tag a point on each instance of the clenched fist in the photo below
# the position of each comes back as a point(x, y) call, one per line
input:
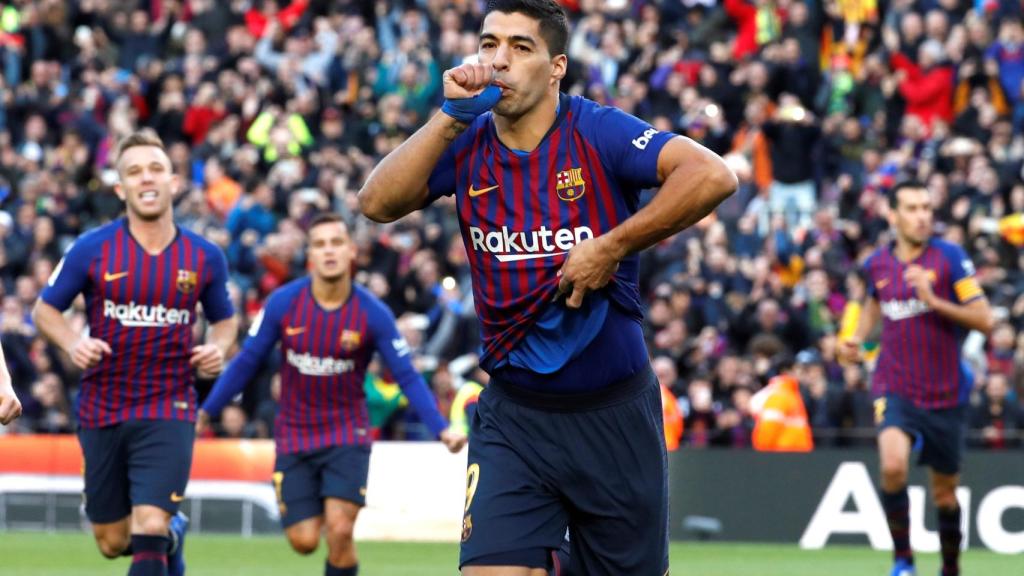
point(467, 80)
point(468, 91)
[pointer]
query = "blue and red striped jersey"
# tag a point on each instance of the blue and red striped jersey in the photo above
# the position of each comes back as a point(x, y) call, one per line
point(144, 307)
point(920, 356)
point(520, 213)
point(324, 357)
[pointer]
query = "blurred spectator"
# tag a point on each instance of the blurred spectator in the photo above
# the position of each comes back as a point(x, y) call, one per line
point(852, 410)
point(996, 418)
point(51, 412)
point(234, 423)
point(1000, 357)
point(699, 419)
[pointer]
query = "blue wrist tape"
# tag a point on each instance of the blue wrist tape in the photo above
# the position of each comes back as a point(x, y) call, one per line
point(466, 110)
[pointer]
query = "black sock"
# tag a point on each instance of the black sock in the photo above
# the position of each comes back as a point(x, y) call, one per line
point(897, 513)
point(150, 555)
point(950, 538)
point(335, 571)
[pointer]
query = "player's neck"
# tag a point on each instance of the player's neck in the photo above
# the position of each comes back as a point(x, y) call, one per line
point(527, 131)
point(907, 251)
point(331, 295)
point(153, 235)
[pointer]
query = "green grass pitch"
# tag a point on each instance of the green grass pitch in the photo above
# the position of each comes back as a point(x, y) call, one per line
point(34, 554)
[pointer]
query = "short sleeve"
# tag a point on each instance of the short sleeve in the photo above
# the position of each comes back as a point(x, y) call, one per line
point(865, 275)
point(965, 283)
point(216, 301)
point(627, 145)
point(69, 278)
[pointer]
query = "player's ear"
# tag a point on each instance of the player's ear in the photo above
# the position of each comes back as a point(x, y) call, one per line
point(118, 190)
point(175, 185)
point(559, 66)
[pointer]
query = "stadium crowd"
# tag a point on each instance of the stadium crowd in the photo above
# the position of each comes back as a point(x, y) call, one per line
point(273, 111)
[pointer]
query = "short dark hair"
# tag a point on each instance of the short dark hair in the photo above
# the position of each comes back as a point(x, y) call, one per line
point(554, 24)
point(325, 218)
point(894, 193)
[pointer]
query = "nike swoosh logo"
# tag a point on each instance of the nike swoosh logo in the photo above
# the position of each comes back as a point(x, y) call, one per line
point(108, 277)
point(474, 193)
point(176, 498)
point(293, 330)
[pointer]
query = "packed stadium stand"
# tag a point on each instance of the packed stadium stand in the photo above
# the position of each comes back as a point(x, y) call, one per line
point(273, 111)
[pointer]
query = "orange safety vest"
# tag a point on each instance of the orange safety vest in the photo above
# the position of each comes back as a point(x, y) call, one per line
point(673, 419)
point(781, 423)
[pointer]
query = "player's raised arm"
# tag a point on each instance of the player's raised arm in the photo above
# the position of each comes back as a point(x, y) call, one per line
point(694, 180)
point(975, 315)
point(970, 309)
point(398, 185)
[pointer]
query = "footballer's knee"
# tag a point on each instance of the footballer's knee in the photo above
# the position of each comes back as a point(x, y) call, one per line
point(304, 544)
point(304, 537)
point(339, 531)
point(150, 521)
point(112, 547)
point(112, 539)
point(944, 495)
point(945, 501)
point(894, 474)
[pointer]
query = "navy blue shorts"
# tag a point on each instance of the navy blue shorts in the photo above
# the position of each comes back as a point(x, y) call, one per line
point(302, 480)
point(595, 462)
point(133, 463)
point(939, 435)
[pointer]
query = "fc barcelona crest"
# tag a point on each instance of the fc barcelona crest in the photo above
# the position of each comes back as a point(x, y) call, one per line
point(350, 339)
point(569, 184)
point(187, 281)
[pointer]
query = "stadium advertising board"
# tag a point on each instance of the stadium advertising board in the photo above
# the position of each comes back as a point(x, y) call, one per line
point(829, 497)
point(415, 491)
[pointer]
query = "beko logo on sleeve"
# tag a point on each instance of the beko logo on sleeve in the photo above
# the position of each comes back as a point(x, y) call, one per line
point(645, 139)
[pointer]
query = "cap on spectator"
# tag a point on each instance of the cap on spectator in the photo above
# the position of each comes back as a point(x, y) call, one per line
point(809, 356)
point(331, 114)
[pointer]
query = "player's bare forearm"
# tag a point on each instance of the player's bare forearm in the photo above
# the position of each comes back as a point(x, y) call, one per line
point(5, 375)
point(694, 179)
point(398, 184)
point(10, 406)
point(975, 315)
point(224, 335)
point(6, 386)
point(54, 326)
